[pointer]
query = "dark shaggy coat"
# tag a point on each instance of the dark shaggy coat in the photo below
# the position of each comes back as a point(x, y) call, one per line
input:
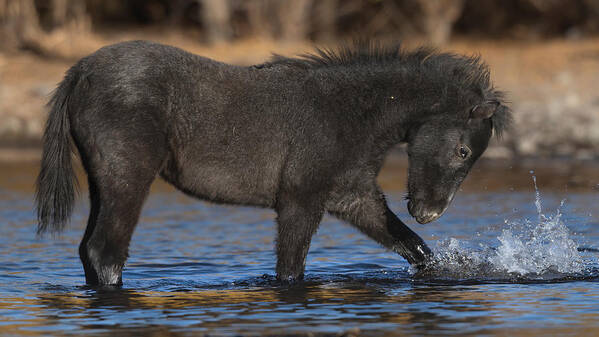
point(302, 135)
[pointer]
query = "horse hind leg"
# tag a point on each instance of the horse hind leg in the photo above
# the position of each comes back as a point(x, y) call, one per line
point(117, 196)
point(91, 277)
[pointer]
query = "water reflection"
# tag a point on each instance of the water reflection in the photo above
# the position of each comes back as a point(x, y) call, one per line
point(203, 269)
point(285, 310)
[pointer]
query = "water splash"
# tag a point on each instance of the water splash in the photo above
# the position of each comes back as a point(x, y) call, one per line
point(538, 197)
point(526, 250)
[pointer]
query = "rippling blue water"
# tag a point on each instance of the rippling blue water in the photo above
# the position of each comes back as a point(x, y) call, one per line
point(201, 268)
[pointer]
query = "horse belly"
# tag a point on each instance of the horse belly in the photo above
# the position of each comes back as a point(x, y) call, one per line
point(227, 181)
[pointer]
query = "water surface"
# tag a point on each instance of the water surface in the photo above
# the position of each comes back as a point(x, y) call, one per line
point(502, 268)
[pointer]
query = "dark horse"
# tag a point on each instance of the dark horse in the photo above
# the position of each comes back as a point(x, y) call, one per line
point(303, 136)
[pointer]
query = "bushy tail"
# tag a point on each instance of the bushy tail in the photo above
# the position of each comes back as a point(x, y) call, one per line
point(56, 182)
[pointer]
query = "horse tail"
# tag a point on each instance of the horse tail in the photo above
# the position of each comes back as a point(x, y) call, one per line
point(57, 182)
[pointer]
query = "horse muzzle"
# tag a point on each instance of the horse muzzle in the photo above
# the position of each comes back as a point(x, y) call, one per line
point(424, 213)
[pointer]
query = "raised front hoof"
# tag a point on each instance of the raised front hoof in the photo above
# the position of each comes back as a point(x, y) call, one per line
point(420, 267)
point(425, 267)
point(419, 256)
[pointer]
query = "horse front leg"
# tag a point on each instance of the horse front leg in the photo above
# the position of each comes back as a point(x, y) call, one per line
point(369, 212)
point(407, 243)
point(297, 221)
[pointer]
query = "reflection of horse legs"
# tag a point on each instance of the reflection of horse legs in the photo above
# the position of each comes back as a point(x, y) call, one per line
point(117, 193)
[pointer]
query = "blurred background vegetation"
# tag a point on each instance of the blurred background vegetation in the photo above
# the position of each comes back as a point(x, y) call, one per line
point(27, 23)
point(545, 53)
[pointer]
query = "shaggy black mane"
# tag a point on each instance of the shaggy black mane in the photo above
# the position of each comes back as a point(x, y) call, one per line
point(360, 52)
point(467, 71)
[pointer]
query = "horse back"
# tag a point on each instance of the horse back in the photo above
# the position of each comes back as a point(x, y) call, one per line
point(223, 134)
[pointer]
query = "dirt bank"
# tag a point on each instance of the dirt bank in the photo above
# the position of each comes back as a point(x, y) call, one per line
point(552, 86)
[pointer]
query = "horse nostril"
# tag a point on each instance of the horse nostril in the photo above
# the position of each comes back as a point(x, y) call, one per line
point(422, 212)
point(426, 217)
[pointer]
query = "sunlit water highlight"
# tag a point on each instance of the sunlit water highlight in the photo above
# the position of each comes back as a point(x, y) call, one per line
point(195, 268)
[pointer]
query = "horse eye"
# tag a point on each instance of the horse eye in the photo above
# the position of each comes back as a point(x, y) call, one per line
point(464, 151)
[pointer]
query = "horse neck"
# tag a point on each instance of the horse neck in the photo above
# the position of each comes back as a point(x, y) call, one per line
point(390, 100)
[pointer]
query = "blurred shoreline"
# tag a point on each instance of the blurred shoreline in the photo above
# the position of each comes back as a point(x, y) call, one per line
point(551, 85)
point(19, 169)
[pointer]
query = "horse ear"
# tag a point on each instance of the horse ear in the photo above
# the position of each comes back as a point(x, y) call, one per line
point(484, 110)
